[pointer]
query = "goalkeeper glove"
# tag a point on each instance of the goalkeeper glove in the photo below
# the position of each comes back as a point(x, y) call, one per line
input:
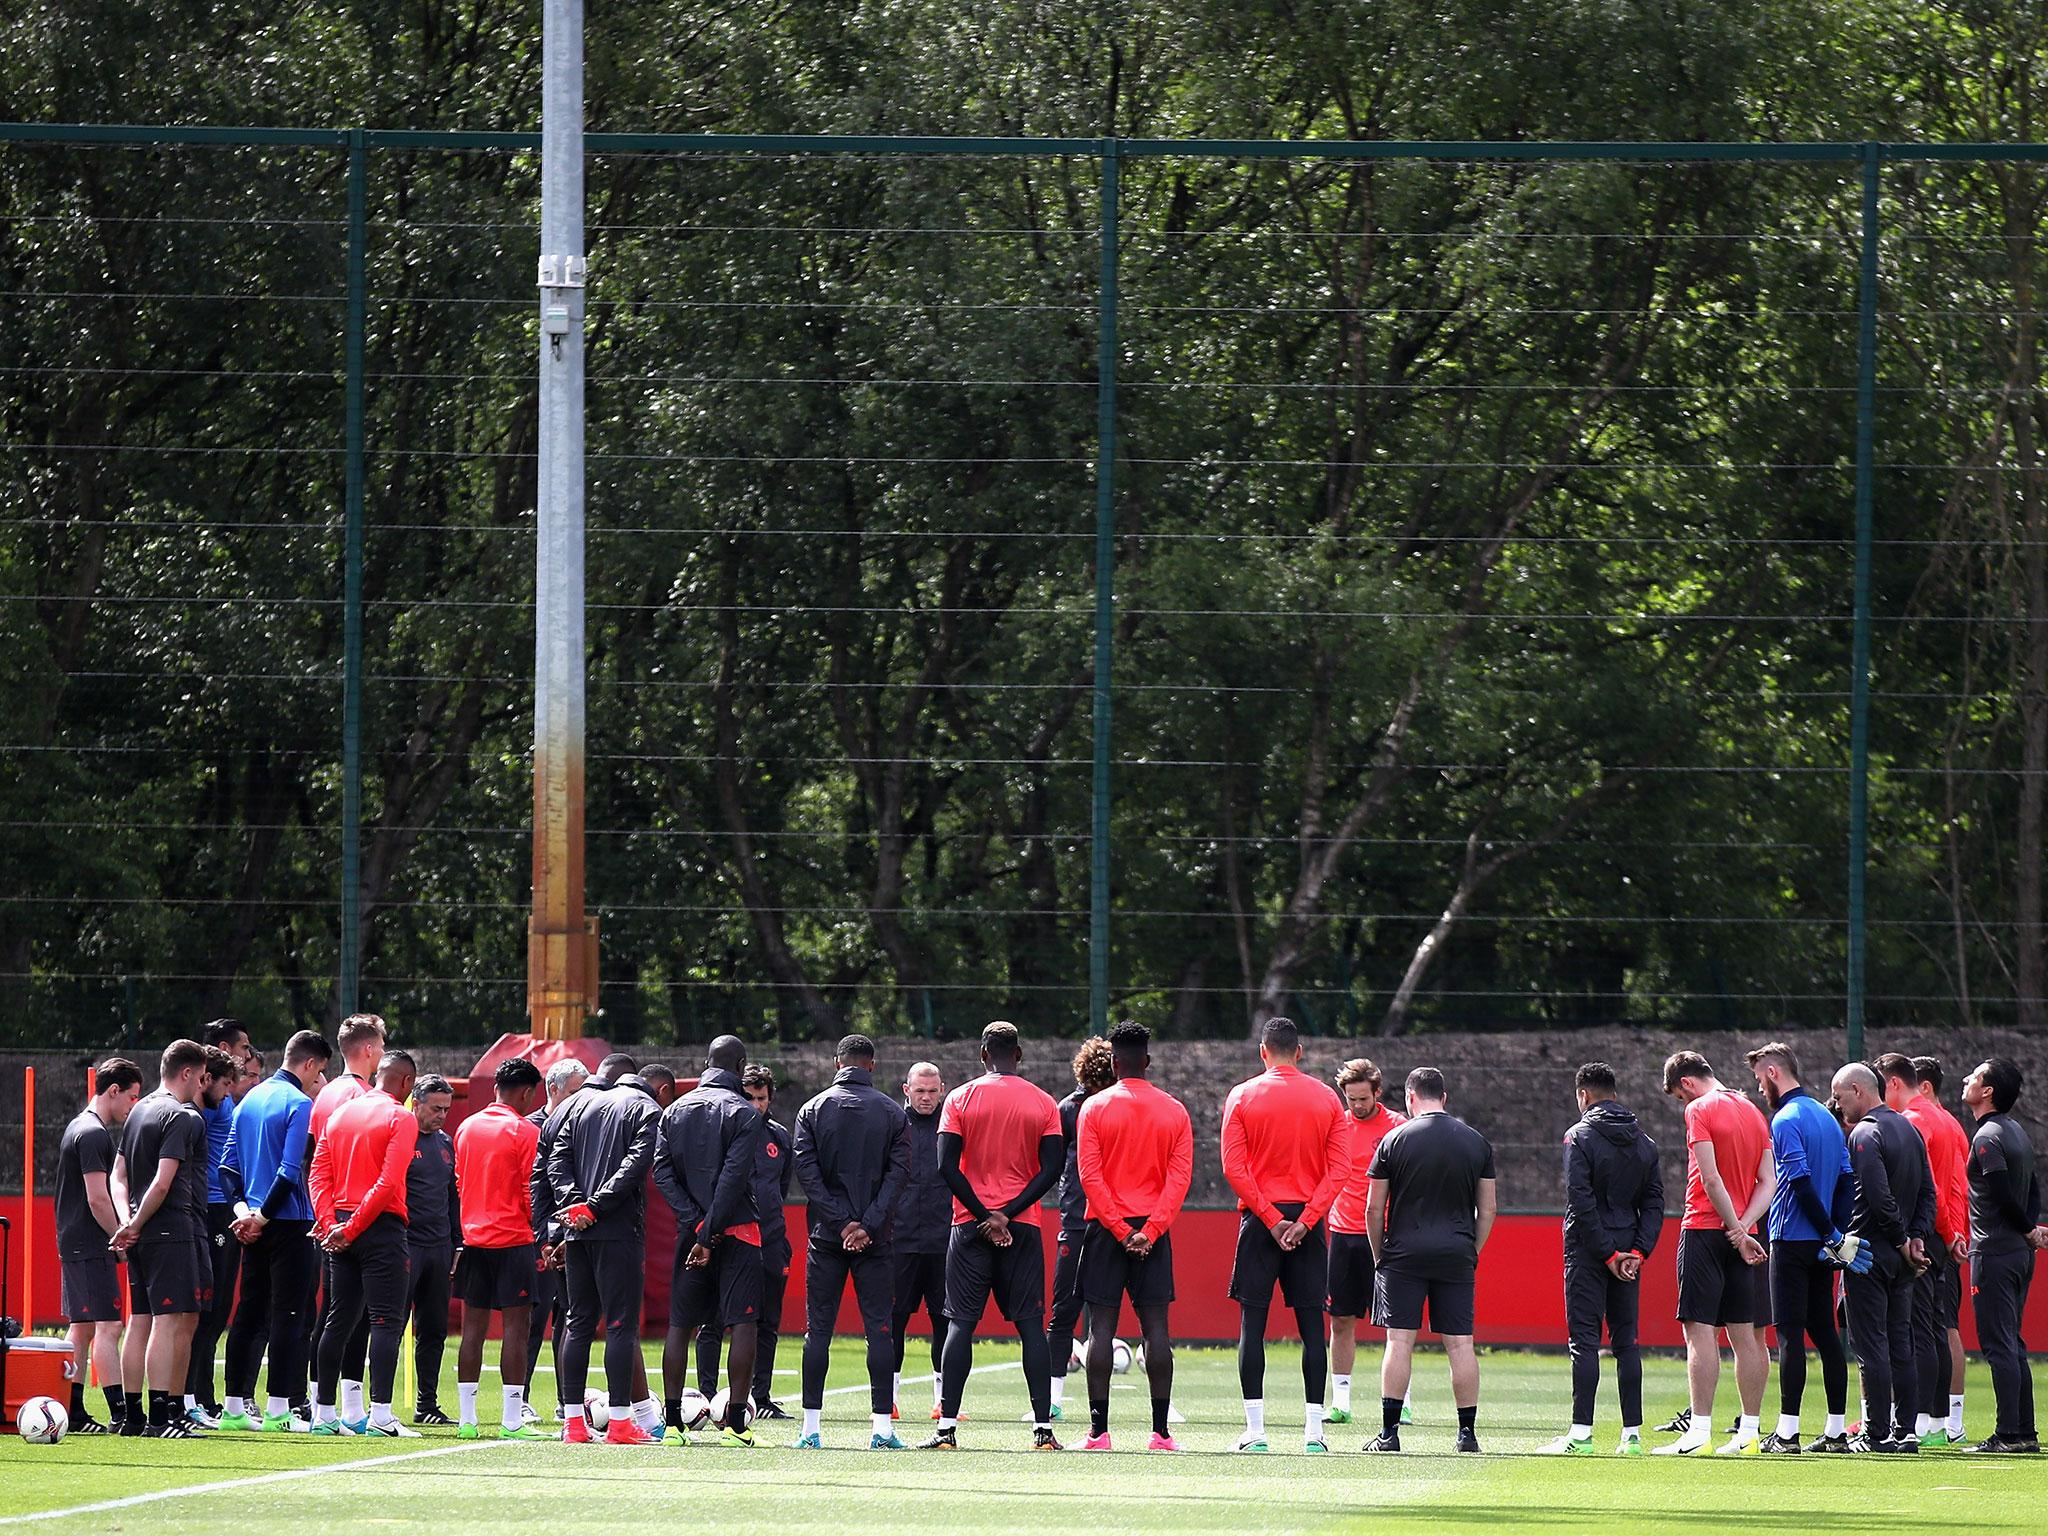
point(1850, 1253)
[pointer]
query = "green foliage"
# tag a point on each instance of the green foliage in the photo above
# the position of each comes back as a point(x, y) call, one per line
point(1484, 535)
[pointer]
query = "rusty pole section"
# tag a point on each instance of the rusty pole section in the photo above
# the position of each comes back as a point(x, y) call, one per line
point(561, 964)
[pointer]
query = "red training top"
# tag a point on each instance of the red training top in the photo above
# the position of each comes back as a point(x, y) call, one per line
point(1284, 1139)
point(494, 1155)
point(1948, 1154)
point(1000, 1120)
point(1347, 1211)
point(1740, 1135)
point(367, 1149)
point(1136, 1151)
point(343, 1090)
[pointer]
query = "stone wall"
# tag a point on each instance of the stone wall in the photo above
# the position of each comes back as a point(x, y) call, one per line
point(1517, 1088)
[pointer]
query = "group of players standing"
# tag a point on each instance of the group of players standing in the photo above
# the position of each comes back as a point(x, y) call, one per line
point(337, 1210)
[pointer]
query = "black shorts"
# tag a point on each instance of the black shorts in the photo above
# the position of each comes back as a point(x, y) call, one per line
point(497, 1278)
point(1303, 1275)
point(165, 1278)
point(1399, 1300)
point(1109, 1272)
point(727, 1291)
point(976, 1268)
point(1948, 1295)
point(1714, 1285)
point(1351, 1270)
point(91, 1289)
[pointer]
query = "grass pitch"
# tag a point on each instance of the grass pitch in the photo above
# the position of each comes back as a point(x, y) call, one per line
point(996, 1485)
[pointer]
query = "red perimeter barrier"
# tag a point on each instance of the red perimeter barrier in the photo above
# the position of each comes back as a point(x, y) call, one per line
point(1521, 1284)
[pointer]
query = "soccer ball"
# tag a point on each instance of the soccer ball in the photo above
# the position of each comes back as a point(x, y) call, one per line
point(1077, 1358)
point(723, 1400)
point(695, 1408)
point(1119, 1357)
point(597, 1410)
point(43, 1421)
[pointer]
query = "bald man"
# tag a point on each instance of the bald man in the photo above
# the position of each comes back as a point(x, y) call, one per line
point(1894, 1213)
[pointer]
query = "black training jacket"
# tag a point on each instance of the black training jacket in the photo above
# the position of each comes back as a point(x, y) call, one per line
point(1073, 1199)
point(603, 1144)
point(706, 1164)
point(1894, 1185)
point(924, 1206)
point(774, 1171)
point(1614, 1193)
point(852, 1156)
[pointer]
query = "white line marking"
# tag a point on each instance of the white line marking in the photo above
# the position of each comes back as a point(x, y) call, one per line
point(926, 1380)
point(296, 1474)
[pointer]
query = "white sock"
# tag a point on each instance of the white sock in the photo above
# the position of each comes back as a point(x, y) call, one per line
point(1408, 1398)
point(351, 1400)
point(878, 1423)
point(191, 1402)
point(946, 1423)
point(381, 1414)
point(515, 1400)
point(1312, 1426)
point(1628, 1431)
point(465, 1399)
point(1696, 1433)
point(1838, 1424)
point(813, 1420)
point(1340, 1393)
point(1059, 1389)
point(574, 1412)
point(235, 1404)
point(1955, 1414)
point(1748, 1424)
point(896, 1395)
point(276, 1407)
point(1788, 1426)
point(1582, 1431)
point(1922, 1423)
point(323, 1413)
point(647, 1414)
point(1255, 1415)
point(938, 1391)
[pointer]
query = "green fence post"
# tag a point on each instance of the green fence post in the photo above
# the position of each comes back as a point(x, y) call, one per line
point(352, 584)
point(1859, 661)
point(1105, 593)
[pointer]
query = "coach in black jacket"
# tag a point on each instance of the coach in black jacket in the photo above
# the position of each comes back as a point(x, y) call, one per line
point(706, 1167)
point(601, 1143)
point(1614, 1209)
point(853, 1159)
point(922, 1221)
point(1894, 1213)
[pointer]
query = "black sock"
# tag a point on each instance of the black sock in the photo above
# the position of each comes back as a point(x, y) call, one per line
point(1390, 1414)
point(672, 1410)
point(117, 1405)
point(1161, 1406)
point(1098, 1415)
point(159, 1407)
point(77, 1401)
point(1468, 1417)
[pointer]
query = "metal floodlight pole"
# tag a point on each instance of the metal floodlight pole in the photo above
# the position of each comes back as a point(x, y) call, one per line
point(1859, 661)
point(1105, 595)
point(561, 969)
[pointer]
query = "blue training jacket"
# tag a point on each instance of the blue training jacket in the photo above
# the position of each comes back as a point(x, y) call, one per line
point(1806, 1142)
point(266, 1155)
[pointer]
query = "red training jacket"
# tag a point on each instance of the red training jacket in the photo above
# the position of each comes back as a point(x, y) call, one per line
point(367, 1150)
point(1136, 1151)
point(1285, 1138)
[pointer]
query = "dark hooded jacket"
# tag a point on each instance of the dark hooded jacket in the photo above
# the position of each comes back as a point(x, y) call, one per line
point(1614, 1194)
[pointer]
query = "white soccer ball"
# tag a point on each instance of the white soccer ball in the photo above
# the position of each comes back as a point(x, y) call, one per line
point(1119, 1357)
point(720, 1403)
point(597, 1409)
point(43, 1421)
point(695, 1408)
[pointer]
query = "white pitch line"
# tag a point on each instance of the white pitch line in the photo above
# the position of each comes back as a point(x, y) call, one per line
point(296, 1474)
point(925, 1380)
